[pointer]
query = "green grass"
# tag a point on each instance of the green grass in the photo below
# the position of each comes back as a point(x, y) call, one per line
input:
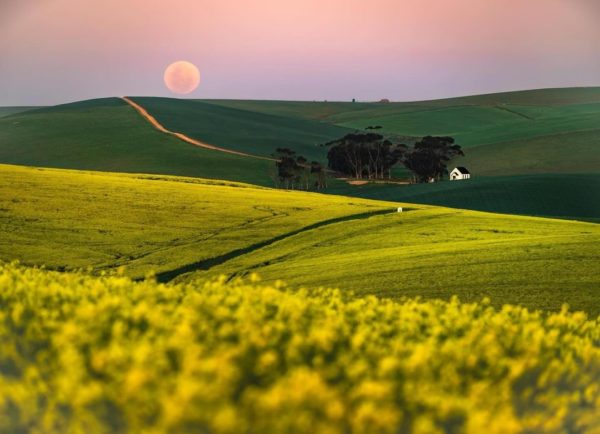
point(242, 130)
point(481, 125)
point(109, 135)
point(519, 125)
point(145, 222)
point(571, 196)
point(575, 152)
point(5, 111)
point(324, 110)
point(439, 252)
point(69, 219)
point(543, 132)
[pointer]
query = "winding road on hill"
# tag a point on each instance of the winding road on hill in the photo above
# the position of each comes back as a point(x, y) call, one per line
point(144, 113)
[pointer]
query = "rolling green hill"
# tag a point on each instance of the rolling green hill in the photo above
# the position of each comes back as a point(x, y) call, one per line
point(109, 135)
point(564, 153)
point(546, 132)
point(571, 196)
point(539, 131)
point(242, 130)
point(543, 131)
point(324, 110)
point(185, 229)
point(5, 111)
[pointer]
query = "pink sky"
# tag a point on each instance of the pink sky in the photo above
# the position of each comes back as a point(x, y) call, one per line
point(54, 51)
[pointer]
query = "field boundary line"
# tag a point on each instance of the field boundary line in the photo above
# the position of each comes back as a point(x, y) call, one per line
point(146, 115)
point(514, 112)
point(206, 264)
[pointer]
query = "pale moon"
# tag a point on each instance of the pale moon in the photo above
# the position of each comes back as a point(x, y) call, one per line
point(182, 77)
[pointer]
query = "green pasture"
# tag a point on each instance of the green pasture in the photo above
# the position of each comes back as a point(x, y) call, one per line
point(69, 220)
point(570, 196)
point(5, 111)
point(553, 134)
point(539, 131)
point(109, 135)
point(242, 130)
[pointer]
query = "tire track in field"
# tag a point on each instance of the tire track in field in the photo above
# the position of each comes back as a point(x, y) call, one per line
point(206, 264)
point(144, 113)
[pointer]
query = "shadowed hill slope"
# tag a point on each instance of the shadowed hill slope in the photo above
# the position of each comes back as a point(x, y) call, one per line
point(571, 196)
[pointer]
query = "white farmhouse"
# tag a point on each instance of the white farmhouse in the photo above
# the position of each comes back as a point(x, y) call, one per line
point(459, 173)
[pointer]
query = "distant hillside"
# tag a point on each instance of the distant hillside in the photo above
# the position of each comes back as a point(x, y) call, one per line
point(107, 134)
point(5, 111)
point(537, 131)
point(541, 132)
point(570, 152)
point(571, 196)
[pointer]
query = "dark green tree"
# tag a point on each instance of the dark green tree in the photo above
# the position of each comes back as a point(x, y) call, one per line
point(429, 157)
point(293, 171)
point(364, 155)
point(319, 174)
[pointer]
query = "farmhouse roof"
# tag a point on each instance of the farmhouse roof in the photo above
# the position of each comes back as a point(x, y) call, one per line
point(463, 170)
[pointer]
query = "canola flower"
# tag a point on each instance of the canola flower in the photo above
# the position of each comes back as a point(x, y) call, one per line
point(81, 354)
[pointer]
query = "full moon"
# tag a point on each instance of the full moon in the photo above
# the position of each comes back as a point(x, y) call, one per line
point(182, 77)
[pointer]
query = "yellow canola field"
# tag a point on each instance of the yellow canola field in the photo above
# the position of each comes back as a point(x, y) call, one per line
point(82, 354)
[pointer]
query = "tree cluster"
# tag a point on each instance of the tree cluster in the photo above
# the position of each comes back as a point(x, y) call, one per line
point(295, 172)
point(371, 156)
point(429, 157)
point(364, 155)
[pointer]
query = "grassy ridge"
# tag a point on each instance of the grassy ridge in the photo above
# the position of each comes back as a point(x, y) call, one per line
point(572, 196)
point(81, 354)
point(324, 110)
point(5, 111)
point(148, 223)
point(109, 135)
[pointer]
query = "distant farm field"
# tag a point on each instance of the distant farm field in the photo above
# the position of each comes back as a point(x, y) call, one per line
point(540, 131)
point(508, 137)
point(185, 229)
point(570, 196)
point(241, 130)
point(109, 135)
point(546, 131)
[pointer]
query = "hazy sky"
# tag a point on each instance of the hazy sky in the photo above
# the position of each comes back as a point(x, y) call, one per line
point(54, 51)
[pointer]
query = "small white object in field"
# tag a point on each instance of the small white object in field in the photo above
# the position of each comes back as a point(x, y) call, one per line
point(399, 209)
